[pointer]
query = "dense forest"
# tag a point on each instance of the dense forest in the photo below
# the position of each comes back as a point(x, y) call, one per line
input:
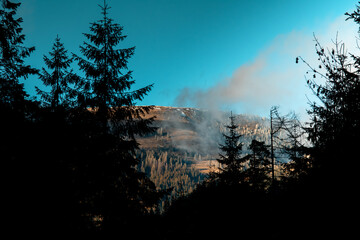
point(170, 172)
point(72, 160)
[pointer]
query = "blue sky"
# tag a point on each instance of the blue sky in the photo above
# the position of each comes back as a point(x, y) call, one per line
point(190, 49)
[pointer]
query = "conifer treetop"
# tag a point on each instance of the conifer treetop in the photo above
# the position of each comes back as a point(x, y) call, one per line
point(59, 79)
point(105, 65)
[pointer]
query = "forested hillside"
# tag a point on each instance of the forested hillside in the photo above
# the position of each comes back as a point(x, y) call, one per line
point(170, 171)
point(198, 130)
point(185, 146)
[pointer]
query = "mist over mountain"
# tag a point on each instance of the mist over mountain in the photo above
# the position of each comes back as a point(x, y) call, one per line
point(199, 132)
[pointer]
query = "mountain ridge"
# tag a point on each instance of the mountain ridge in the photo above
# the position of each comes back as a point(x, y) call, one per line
point(198, 132)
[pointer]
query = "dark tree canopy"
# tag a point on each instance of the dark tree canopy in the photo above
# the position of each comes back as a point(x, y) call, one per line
point(334, 128)
point(12, 53)
point(258, 173)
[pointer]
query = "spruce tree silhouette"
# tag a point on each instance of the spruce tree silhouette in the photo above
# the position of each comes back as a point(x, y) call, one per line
point(112, 189)
point(231, 162)
point(12, 64)
point(61, 94)
point(106, 71)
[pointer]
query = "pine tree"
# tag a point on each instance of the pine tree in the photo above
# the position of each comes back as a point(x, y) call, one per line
point(12, 54)
point(106, 71)
point(61, 94)
point(113, 187)
point(231, 161)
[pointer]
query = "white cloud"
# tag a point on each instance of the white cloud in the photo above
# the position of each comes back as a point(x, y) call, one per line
point(273, 78)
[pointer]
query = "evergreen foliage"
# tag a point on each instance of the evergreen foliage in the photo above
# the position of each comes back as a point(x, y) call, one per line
point(13, 54)
point(323, 173)
point(107, 77)
point(114, 189)
point(334, 128)
point(61, 93)
point(231, 161)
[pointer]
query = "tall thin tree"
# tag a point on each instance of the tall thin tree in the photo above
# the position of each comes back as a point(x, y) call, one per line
point(115, 189)
point(231, 161)
point(106, 71)
point(59, 80)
